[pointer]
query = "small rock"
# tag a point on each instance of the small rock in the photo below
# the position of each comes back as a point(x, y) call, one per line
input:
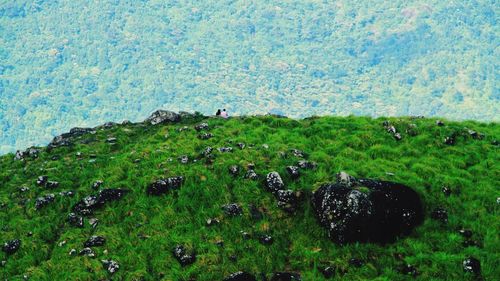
point(274, 182)
point(241, 145)
point(29, 234)
point(328, 272)
point(205, 136)
point(345, 179)
point(265, 146)
point(93, 222)
point(449, 140)
point(42, 180)
point(3, 263)
point(24, 189)
point(201, 127)
point(293, 171)
point(309, 165)
point(298, 153)
point(467, 233)
point(75, 220)
point(246, 235)
point(111, 140)
point(208, 151)
point(472, 265)
point(234, 170)
point(184, 159)
point(43, 201)
point(225, 149)
point(440, 214)
point(439, 123)
point(240, 276)
point(163, 186)
point(72, 252)
point(87, 252)
point(184, 258)
point(62, 243)
point(255, 213)
point(252, 175)
point(212, 222)
point(232, 209)
point(110, 265)
point(88, 204)
point(233, 258)
point(288, 200)
point(410, 270)
point(52, 184)
point(219, 243)
point(356, 262)
point(97, 184)
point(398, 136)
point(95, 241)
point(286, 276)
point(446, 191)
point(11, 246)
point(266, 239)
point(471, 243)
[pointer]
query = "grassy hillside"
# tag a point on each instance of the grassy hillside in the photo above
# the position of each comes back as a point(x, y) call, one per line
point(142, 230)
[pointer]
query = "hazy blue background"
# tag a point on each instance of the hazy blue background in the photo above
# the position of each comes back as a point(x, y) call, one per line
point(73, 63)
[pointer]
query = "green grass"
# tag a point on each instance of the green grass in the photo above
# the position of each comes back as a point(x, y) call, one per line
point(142, 230)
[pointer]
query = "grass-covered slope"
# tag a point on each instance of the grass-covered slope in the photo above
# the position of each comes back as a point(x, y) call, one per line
point(141, 230)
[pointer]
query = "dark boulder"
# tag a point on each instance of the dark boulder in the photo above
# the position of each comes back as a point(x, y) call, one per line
point(472, 265)
point(87, 252)
point(75, 220)
point(183, 256)
point(266, 239)
point(52, 184)
point(12, 246)
point(274, 182)
point(184, 159)
point(450, 140)
point(92, 202)
point(466, 233)
point(370, 210)
point(110, 265)
point(286, 276)
point(43, 201)
point(241, 145)
point(409, 269)
point(42, 180)
point(95, 241)
point(240, 276)
point(225, 149)
point(356, 262)
point(163, 116)
point(293, 171)
point(207, 152)
point(328, 271)
point(232, 209)
point(97, 184)
point(163, 186)
point(439, 123)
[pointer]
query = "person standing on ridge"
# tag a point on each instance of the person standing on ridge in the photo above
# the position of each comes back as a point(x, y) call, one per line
point(224, 113)
point(217, 113)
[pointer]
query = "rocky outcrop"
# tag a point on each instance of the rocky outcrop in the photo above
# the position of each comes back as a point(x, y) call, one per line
point(163, 116)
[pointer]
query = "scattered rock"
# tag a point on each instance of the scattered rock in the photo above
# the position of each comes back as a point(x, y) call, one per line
point(446, 191)
point(212, 222)
point(298, 153)
point(225, 149)
point(288, 200)
point(232, 209)
point(201, 127)
point(328, 272)
point(75, 220)
point(356, 262)
point(255, 213)
point(241, 145)
point(472, 265)
point(266, 239)
point(95, 241)
point(293, 171)
point(208, 151)
point(234, 170)
point(286, 276)
point(111, 140)
point(110, 265)
point(471, 243)
point(43, 201)
point(450, 140)
point(274, 182)
point(72, 252)
point(163, 116)
point(265, 146)
point(440, 214)
point(93, 222)
point(205, 136)
point(31, 152)
point(163, 186)
point(182, 255)
point(466, 233)
point(410, 270)
point(92, 202)
point(97, 184)
point(309, 165)
point(42, 180)
point(67, 193)
point(240, 276)
point(398, 136)
point(252, 175)
point(439, 123)
point(370, 210)
point(184, 159)
point(52, 184)
point(345, 179)
point(87, 252)
point(12, 246)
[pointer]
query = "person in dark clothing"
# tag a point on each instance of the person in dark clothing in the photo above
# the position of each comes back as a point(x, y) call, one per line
point(217, 113)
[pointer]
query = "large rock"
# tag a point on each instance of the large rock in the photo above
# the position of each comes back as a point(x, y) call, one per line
point(274, 182)
point(163, 186)
point(43, 201)
point(87, 205)
point(369, 210)
point(183, 256)
point(163, 116)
